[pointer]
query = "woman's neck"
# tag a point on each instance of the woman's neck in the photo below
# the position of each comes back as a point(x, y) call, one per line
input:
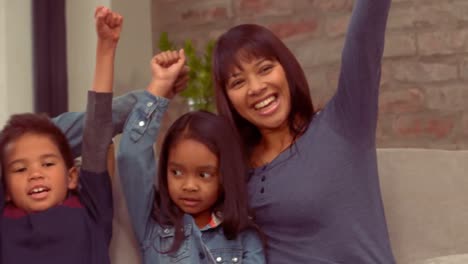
point(272, 143)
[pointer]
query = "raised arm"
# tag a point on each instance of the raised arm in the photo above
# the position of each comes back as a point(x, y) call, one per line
point(96, 188)
point(108, 28)
point(354, 108)
point(71, 123)
point(98, 126)
point(136, 158)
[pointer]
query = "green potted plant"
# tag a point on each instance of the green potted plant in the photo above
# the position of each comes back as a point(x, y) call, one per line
point(199, 93)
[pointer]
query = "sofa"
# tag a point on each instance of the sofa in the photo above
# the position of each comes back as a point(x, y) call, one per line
point(425, 195)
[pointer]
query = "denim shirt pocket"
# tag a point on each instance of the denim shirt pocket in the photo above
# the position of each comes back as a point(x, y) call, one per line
point(162, 240)
point(227, 255)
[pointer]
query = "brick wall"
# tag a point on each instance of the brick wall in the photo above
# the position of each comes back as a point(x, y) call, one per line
point(424, 92)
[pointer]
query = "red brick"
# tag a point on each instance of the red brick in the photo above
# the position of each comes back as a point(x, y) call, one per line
point(177, 16)
point(400, 44)
point(333, 75)
point(401, 17)
point(382, 132)
point(413, 71)
point(464, 69)
point(464, 123)
point(208, 14)
point(289, 29)
point(403, 101)
point(320, 91)
point(442, 42)
point(337, 26)
point(418, 126)
point(262, 7)
point(438, 13)
point(333, 5)
point(448, 97)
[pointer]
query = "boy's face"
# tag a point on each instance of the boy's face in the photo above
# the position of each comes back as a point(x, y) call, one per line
point(36, 176)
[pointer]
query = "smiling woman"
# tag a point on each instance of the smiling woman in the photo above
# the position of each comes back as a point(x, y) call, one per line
point(314, 184)
point(246, 88)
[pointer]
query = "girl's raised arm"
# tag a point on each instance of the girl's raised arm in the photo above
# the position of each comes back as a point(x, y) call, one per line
point(136, 158)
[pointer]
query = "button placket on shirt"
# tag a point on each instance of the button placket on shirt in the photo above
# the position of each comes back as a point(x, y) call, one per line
point(262, 183)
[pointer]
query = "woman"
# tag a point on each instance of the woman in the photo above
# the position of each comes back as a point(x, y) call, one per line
point(314, 184)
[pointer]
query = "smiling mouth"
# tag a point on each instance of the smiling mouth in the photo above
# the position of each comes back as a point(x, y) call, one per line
point(38, 190)
point(265, 103)
point(39, 193)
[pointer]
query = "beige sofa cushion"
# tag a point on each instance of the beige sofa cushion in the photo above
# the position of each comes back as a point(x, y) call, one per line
point(425, 195)
point(452, 259)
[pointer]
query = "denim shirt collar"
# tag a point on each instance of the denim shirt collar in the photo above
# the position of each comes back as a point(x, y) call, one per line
point(189, 222)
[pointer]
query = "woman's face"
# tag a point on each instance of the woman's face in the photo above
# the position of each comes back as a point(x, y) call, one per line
point(259, 92)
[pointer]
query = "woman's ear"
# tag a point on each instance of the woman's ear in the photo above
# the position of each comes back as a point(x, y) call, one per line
point(72, 178)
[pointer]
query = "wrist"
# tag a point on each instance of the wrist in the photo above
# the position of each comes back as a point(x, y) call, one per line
point(159, 88)
point(107, 46)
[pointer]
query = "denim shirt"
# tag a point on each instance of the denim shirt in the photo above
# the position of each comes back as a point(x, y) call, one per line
point(208, 245)
point(137, 169)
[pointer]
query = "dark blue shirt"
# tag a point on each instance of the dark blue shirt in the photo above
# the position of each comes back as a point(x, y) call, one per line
point(319, 201)
point(77, 231)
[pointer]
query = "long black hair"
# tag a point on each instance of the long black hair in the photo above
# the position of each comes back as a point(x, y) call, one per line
point(255, 41)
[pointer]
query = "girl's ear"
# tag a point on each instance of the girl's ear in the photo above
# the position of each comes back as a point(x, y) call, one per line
point(72, 178)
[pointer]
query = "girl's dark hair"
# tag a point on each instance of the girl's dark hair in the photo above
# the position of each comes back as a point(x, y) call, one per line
point(253, 41)
point(21, 124)
point(216, 134)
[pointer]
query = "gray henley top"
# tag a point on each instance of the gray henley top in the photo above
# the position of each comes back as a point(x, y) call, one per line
point(319, 201)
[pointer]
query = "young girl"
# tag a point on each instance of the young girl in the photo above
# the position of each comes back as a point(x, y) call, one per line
point(49, 214)
point(199, 212)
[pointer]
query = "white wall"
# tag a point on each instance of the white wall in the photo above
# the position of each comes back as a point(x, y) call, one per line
point(81, 48)
point(133, 54)
point(3, 66)
point(16, 76)
point(135, 46)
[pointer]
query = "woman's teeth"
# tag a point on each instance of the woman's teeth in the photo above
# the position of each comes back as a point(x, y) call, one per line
point(264, 103)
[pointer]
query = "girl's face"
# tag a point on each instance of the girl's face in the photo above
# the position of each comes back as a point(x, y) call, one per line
point(193, 180)
point(36, 176)
point(259, 92)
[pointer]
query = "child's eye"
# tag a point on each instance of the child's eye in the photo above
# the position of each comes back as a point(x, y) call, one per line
point(176, 172)
point(48, 164)
point(205, 175)
point(19, 170)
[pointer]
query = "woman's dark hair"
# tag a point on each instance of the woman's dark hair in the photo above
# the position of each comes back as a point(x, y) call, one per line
point(253, 41)
point(216, 133)
point(21, 124)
